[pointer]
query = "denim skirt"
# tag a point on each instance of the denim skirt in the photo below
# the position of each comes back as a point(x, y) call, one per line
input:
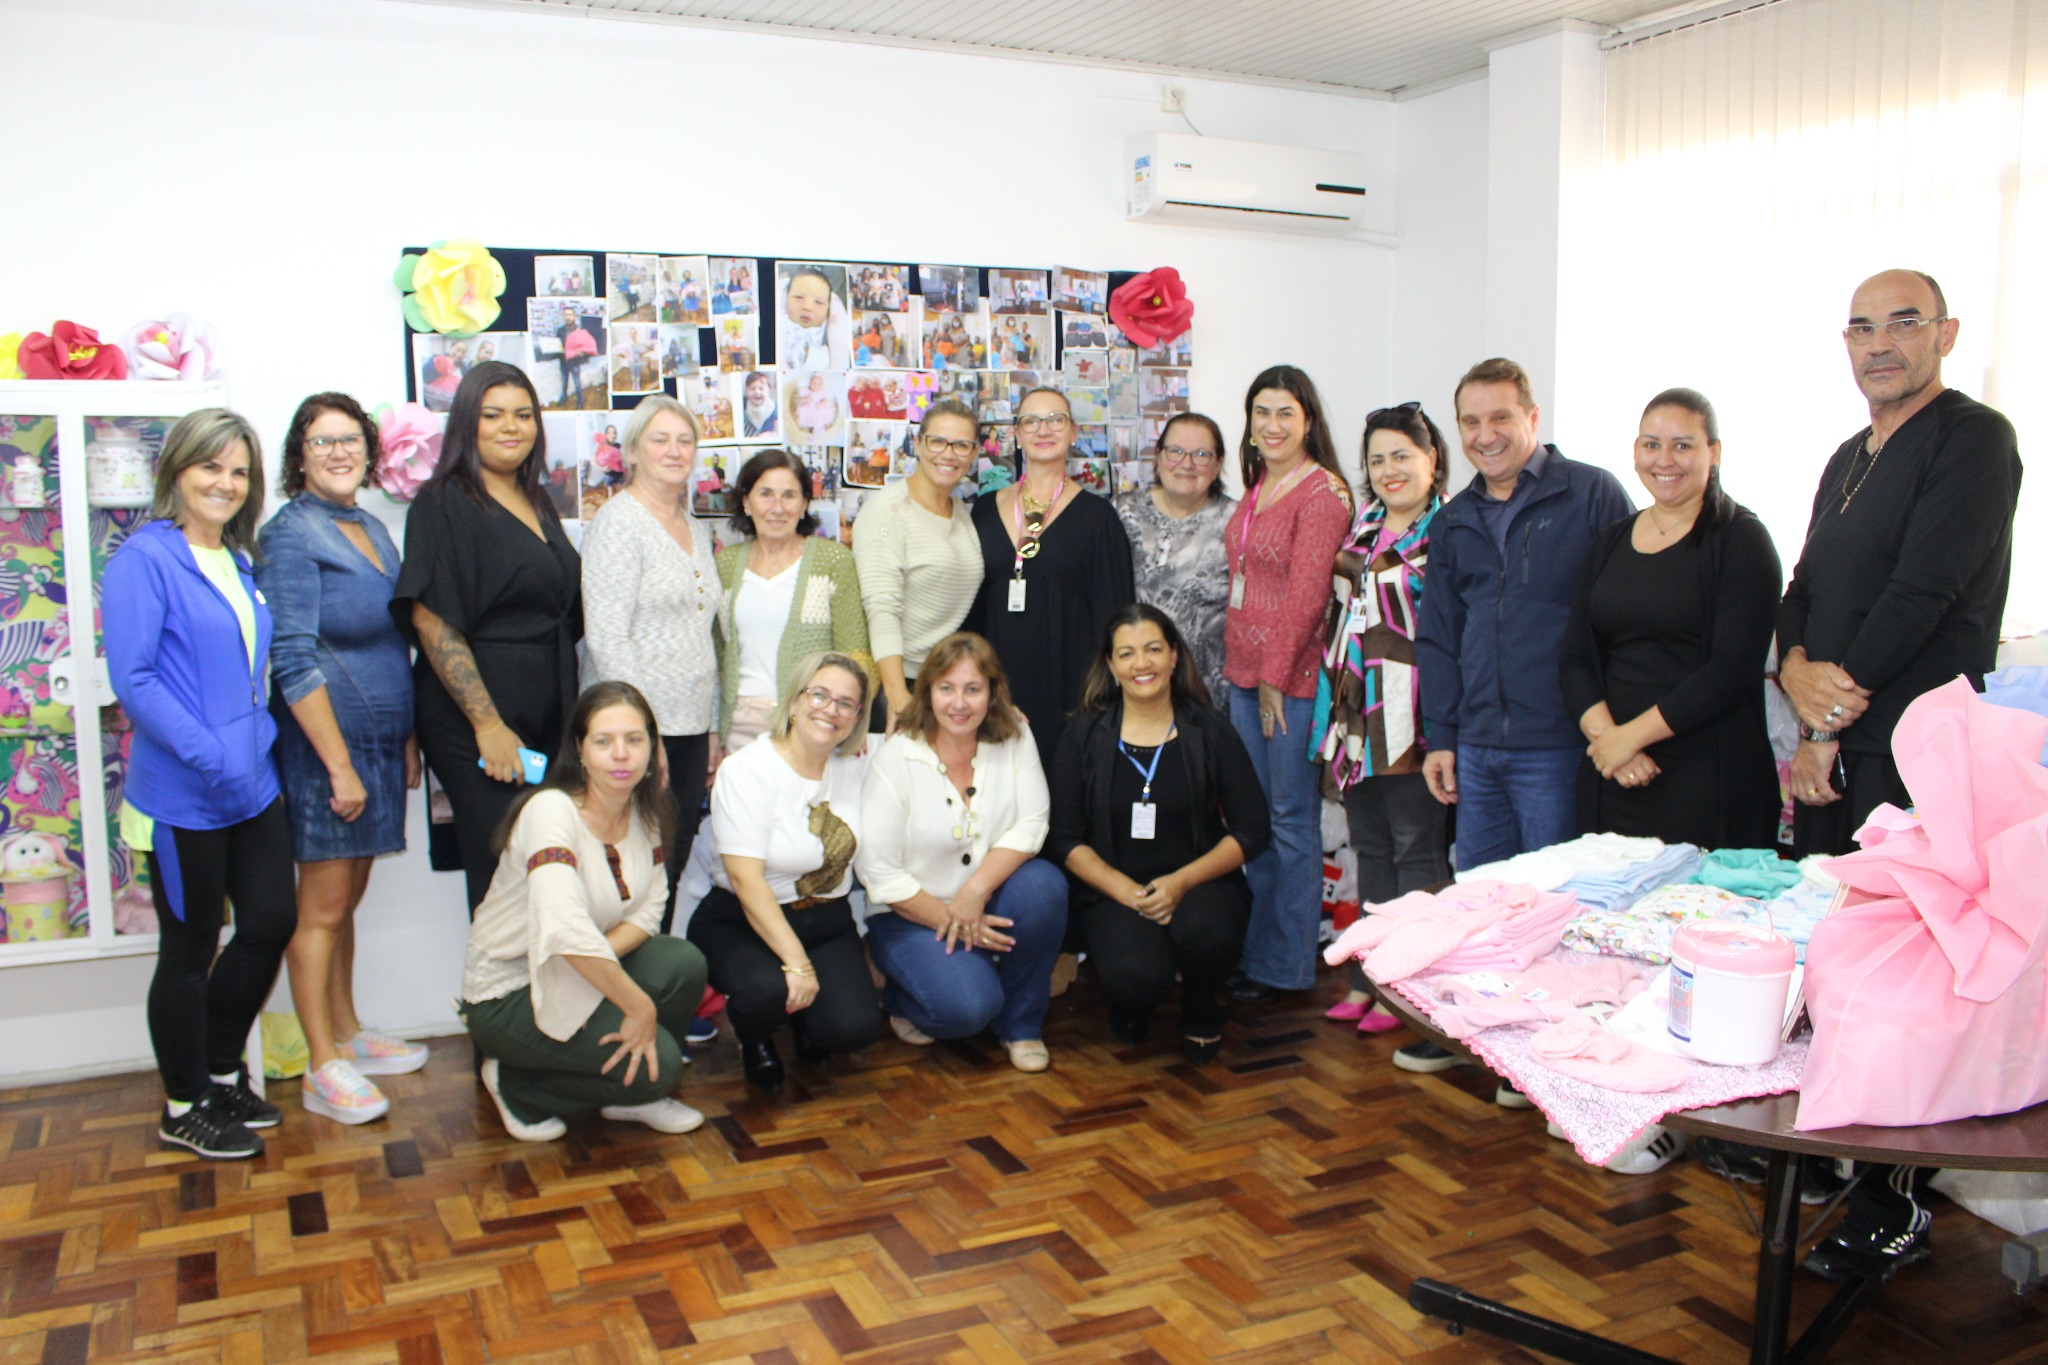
point(317, 832)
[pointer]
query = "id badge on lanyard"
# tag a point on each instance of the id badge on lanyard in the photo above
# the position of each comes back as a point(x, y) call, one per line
point(1144, 814)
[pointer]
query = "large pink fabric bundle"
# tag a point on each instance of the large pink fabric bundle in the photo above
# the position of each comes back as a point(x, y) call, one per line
point(1929, 996)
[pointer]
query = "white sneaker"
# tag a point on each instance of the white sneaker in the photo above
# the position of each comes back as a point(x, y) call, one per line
point(1650, 1150)
point(379, 1054)
point(909, 1032)
point(338, 1091)
point(547, 1130)
point(663, 1116)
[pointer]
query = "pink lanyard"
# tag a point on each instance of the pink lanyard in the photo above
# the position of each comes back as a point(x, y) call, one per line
point(1251, 507)
point(1017, 519)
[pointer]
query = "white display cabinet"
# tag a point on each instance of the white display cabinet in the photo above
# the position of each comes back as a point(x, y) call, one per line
point(63, 738)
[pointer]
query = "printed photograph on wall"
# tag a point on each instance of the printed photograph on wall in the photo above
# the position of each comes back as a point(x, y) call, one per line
point(995, 400)
point(603, 462)
point(629, 287)
point(1179, 353)
point(563, 475)
point(874, 451)
point(711, 492)
point(439, 362)
point(566, 340)
point(1020, 342)
point(1017, 292)
point(733, 287)
point(1163, 392)
point(636, 359)
point(678, 350)
point(760, 415)
point(883, 340)
point(880, 288)
point(684, 295)
point(1123, 385)
point(919, 387)
point(1080, 330)
point(813, 321)
point(814, 407)
point(1132, 476)
point(955, 341)
point(1092, 474)
point(962, 386)
point(823, 462)
point(710, 398)
point(1087, 368)
point(562, 277)
point(881, 397)
point(1085, 291)
point(1090, 406)
point(739, 347)
point(1123, 444)
point(999, 444)
point(949, 288)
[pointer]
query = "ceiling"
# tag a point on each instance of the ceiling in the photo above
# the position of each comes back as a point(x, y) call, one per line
point(1365, 45)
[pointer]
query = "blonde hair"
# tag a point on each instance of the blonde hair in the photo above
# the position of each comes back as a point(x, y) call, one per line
point(649, 408)
point(807, 670)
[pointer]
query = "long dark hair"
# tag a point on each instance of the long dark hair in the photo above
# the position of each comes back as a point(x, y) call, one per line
point(566, 774)
point(1411, 421)
point(462, 465)
point(1101, 688)
point(1251, 464)
point(292, 478)
point(1716, 508)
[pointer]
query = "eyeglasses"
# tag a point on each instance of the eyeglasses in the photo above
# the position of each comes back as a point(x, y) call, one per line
point(822, 700)
point(1180, 455)
point(348, 445)
point(1050, 421)
point(1407, 409)
point(1898, 329)
point(938, 445)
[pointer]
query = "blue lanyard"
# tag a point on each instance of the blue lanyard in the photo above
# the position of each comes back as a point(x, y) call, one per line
point(1144, 771)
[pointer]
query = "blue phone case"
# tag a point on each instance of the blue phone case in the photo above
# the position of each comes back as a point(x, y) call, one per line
point(535, 765)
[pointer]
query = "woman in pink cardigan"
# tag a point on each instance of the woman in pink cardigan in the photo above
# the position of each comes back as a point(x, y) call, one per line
point(1282, 546)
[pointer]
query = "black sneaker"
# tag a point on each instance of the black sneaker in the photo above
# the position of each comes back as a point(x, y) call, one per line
point(1426, 1057)
point(239, 1101)
point(1736, 1160)
point(210, 1130)
point(1880, 1254)
point(1508, 1097)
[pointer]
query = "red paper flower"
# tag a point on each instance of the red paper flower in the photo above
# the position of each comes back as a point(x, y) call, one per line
point(70, 352)
point(1152, 307)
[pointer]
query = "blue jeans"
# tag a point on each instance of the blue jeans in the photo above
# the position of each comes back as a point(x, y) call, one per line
point(1513, 800)
point(959, 995)
point(1287, 879)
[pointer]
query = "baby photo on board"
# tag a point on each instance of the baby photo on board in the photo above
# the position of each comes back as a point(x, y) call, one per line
point(439, 362)
point(760, 417)
point(636, 359)
point(880, 288)
point(709, 397)
point(1085, 291)
point(949, 288)
point(1017, 291)
point(739, 346)
point(566, 340)
point(814, 407)
point(882, 397)
point(732, 285)
point(883, 340)
point(683, 294)
point(562, 277)
point(813, 323)
point(629, 287)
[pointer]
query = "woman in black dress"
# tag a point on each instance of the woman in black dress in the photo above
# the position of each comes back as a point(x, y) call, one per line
point(491, 592)
point(1670, 631)
point(1055, 564)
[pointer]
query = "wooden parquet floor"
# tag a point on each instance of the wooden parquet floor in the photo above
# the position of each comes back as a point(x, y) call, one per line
point(913, 1205)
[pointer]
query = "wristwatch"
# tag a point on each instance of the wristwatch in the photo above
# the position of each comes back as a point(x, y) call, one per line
point(1813, 736)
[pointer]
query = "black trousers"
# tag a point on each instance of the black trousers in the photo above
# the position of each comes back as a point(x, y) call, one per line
point(846, 1016)
point(1136, 959)
point(1400, 835)
point(203, 997)
point(689, 758)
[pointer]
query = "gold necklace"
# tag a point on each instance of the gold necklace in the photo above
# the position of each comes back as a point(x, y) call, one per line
point(1862, 449)
point(1659, 528)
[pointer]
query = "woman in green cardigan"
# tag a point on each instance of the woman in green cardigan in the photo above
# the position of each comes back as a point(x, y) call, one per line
point(789, 594)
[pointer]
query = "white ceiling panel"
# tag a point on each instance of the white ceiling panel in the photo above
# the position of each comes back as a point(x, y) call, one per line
point(1366, 45)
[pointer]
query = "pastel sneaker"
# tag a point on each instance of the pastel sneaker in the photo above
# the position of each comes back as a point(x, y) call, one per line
point(379, 1054)
point(663, 1116)
point(338, 1091)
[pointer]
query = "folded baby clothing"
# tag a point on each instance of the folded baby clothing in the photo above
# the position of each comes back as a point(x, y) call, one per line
point(1578, 1047)
point(1794, 912)
point(1544, 992)
point(1644, 930)
point(1617, 890)
point(1531, 923)
point(1547, 869)
point(1811, 870)
point(1467, 927)
point(1755, 872)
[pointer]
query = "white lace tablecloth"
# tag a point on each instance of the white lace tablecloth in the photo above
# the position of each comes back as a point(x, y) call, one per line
point(1598, 1122)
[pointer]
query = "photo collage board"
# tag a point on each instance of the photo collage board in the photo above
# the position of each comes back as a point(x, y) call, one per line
point(833, 360)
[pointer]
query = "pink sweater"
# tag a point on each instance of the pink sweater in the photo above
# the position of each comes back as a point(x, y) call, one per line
point(1471, 926)
point(1546, 992)
point(1276, 637)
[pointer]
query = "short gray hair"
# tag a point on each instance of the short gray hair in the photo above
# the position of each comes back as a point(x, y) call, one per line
point(651, 407)
point(807, 670)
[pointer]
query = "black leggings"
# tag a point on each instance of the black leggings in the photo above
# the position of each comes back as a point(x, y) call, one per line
point(1136, 959)
point(846, 1016)
point(199, 1018)
point(689, 757)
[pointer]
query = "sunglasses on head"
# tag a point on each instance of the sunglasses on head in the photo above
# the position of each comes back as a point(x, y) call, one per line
point(1407, 409)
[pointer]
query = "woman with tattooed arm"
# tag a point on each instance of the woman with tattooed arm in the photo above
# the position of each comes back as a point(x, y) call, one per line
point(491, 593)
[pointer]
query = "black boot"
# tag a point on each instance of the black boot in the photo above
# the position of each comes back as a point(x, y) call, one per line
point(762, 1064)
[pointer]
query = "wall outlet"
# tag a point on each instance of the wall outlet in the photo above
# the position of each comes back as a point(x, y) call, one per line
point(1173, 99)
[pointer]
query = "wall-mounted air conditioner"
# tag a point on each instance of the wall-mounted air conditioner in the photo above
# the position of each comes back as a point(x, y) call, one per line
point(1214, 182)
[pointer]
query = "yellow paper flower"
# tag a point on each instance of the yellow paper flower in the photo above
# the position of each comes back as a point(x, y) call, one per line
point(452, 288)
point(9, 345)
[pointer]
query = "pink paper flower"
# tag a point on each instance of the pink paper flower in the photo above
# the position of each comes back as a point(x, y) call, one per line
point(1152, 307)
point(173, 347)
point(70, 352)
point(411, 437)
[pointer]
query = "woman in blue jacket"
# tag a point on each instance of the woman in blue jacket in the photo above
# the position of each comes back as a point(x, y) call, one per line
point(188, 644)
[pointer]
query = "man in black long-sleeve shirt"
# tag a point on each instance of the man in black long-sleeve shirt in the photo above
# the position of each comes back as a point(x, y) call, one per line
point(1899, 588)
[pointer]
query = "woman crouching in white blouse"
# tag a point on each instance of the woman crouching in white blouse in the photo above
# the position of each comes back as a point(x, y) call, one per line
point(572, 999)
point(966, 920)
point(776, 928)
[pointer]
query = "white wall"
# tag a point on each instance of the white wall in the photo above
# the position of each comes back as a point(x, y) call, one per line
point(260, 164)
